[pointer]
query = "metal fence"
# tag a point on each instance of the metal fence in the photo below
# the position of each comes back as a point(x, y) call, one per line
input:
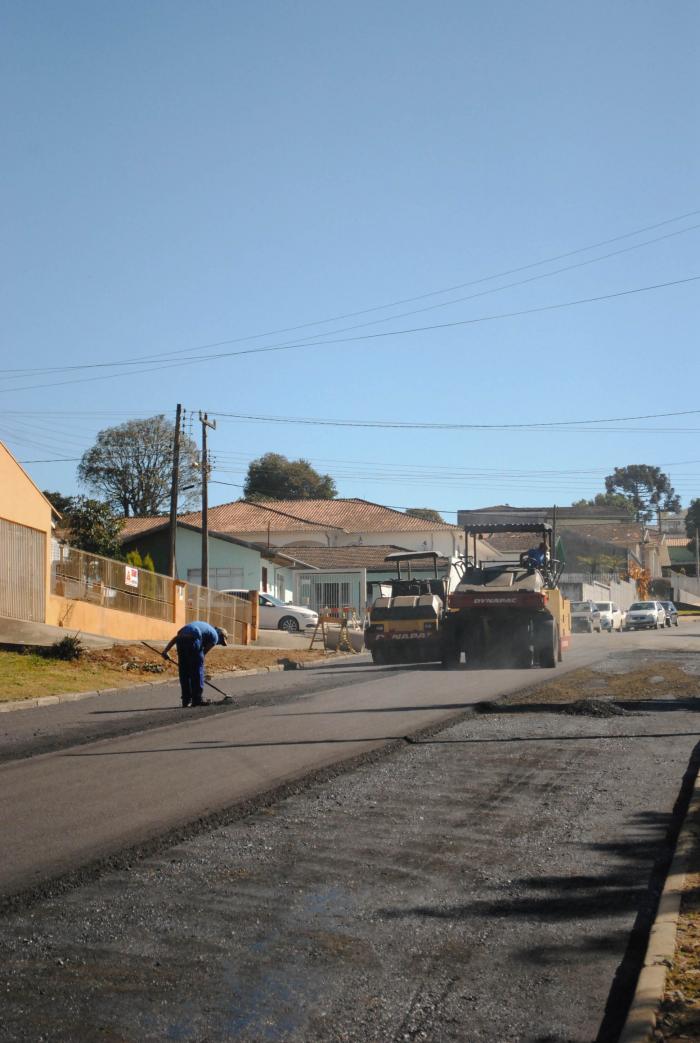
point(81, 576)
point(22, 572)
point(221, 610)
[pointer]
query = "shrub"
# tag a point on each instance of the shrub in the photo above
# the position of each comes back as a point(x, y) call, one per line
point(69, 647)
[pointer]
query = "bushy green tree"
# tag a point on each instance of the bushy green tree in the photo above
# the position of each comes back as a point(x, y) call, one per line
point(59, 501)
point(131, 466)
point(134, 558)
point(617, 501)
point(692, 521)
point(274, 477)
point(426, 514)
point(94, 527)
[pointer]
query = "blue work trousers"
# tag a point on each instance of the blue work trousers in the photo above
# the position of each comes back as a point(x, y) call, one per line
point(190, 662)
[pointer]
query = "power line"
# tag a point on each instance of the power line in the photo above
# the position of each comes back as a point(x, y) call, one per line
point(449, 426)
point(371, 336)
point(170, 356)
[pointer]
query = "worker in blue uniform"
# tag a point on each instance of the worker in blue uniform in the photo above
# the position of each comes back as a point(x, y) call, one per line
point(193, 641)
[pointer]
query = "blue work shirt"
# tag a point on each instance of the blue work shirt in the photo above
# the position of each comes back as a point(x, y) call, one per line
point(202, 632)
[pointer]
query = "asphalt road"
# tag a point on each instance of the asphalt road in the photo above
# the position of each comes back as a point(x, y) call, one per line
point(82, 803)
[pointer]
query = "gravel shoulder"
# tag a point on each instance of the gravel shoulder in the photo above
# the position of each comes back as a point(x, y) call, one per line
point(491, 881)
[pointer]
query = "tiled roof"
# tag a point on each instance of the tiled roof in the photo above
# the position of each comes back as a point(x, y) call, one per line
point(246, 516)
point(355, 515)
point(240, 516)
point(677, 541)
point(366, 557)
point(352, 515)
point(135, 526)
point(570, 513)
point(628, 534)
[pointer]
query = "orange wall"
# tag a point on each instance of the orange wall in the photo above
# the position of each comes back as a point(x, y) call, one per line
point(94, 619)
point(20, 500)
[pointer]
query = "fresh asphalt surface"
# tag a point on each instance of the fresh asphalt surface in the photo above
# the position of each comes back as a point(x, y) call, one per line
point(82, 803)
point(490, 882)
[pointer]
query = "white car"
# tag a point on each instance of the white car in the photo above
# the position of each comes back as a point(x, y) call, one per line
point(278, 615)
point(649, 615)
point(611, 617)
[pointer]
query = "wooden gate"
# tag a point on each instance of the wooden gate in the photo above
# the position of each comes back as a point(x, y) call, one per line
point(22, 572)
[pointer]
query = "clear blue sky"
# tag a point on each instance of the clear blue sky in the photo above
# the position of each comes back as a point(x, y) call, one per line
point(177, 174)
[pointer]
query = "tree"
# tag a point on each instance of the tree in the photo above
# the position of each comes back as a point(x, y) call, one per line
point(617, 501)
point(646, 488)
point(94, 527)
point(426, 514)
point(274, 477)
point(131, 466)
point(59, 501)
point(692, 520)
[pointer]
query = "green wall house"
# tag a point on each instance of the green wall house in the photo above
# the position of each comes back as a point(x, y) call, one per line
point(233, 563)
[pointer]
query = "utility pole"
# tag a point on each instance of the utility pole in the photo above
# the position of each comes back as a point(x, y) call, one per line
point(206, 422)
point(172, 559)
point(697, 555)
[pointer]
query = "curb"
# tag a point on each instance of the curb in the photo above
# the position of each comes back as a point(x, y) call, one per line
point(642, 1016)
point(74, 697)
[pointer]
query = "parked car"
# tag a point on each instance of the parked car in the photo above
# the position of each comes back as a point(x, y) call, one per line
point(611, 617)
point(585, 616)
point(671, 613)
point(645, 615)
point(278, 615)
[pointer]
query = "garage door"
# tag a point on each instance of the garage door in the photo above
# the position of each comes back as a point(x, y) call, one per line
point(22, 572)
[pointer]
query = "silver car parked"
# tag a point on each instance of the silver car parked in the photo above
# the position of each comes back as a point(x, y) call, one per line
point(645, 615)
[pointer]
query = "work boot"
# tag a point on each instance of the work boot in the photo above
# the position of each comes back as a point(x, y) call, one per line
point(201, 702)
point(186, 702)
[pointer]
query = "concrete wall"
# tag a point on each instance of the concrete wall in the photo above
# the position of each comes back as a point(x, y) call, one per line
point(125, 626)
point(581, 587)
point(22, 503)
point(95, 619)
point(686, 590)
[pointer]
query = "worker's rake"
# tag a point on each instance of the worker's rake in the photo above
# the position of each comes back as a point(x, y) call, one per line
point(225, 698)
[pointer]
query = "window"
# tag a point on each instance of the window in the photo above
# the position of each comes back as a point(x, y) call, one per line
point(219, 579)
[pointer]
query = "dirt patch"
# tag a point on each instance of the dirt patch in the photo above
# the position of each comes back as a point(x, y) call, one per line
point(679, 1016)
point(658, 679)
point(28, 675)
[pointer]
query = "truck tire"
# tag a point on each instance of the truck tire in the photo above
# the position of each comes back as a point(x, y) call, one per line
point(548, 644)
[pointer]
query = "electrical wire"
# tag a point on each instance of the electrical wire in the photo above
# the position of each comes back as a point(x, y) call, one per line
point(137, 361)
point(370, 336)
point(422, 425)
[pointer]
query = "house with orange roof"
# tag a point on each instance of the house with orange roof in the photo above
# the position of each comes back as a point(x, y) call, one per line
point(325, 523)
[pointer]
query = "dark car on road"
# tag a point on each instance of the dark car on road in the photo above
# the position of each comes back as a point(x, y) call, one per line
point(585, 616)
point(671, 613)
